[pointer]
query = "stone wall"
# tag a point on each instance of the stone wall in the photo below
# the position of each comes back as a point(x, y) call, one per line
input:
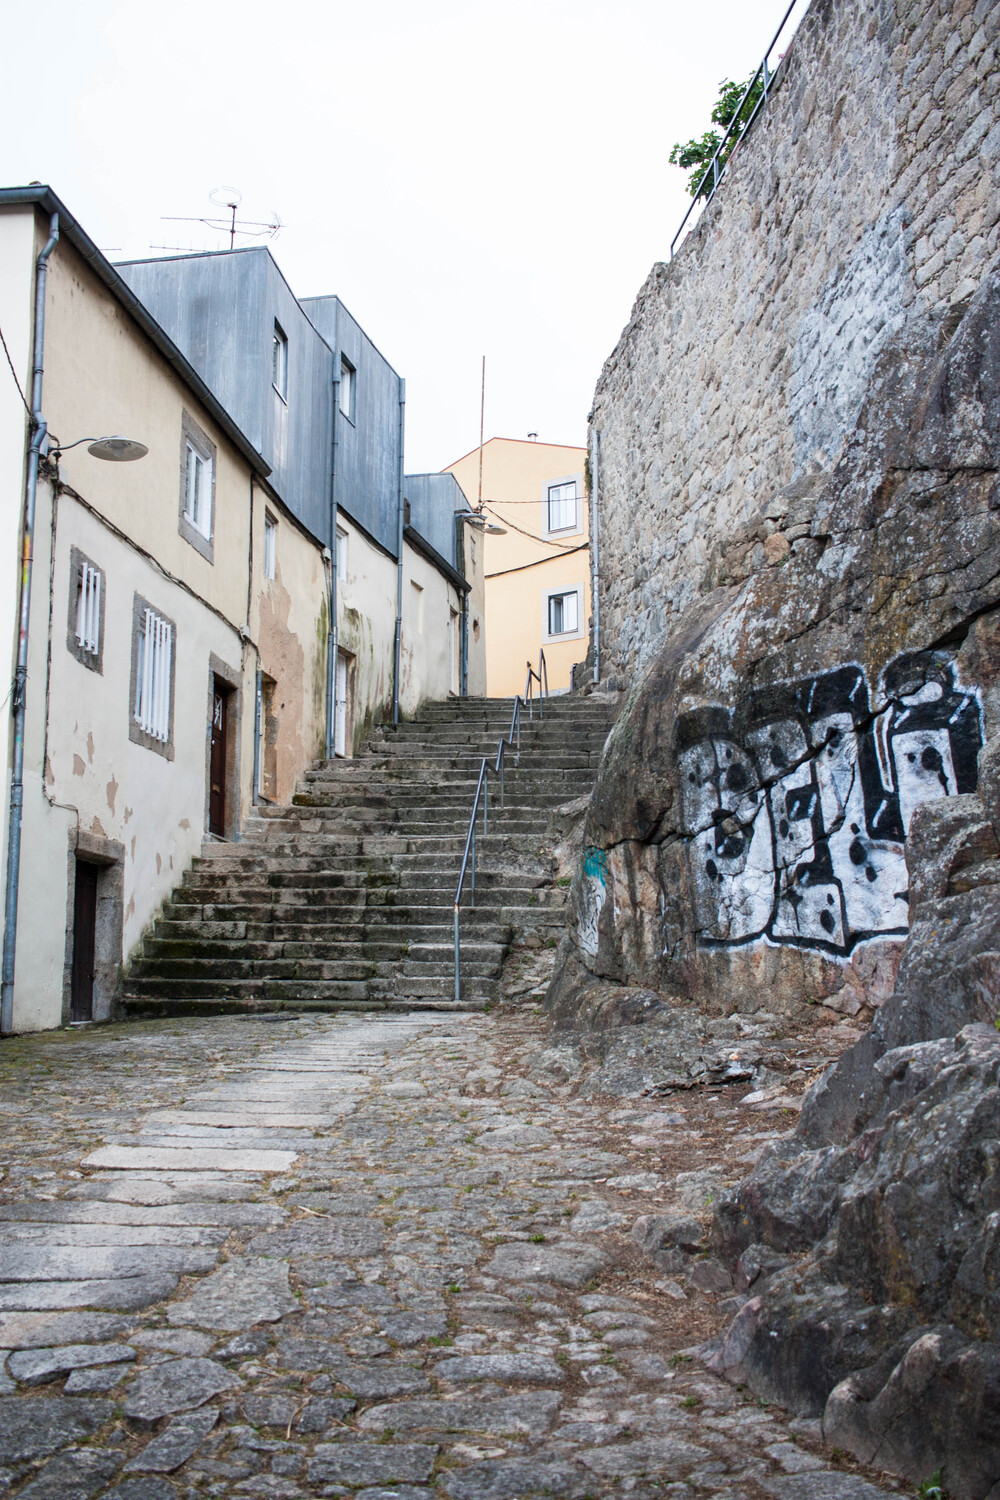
point(800, 529)
point(866, 194)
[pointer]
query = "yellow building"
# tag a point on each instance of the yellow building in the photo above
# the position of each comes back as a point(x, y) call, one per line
point(538, 571)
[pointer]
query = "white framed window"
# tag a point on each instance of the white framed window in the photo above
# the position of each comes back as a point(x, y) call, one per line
point(561, 507)
point(279, 361)
point(88, 609)
point(348, 388)
point(198, 488)
point(270, 545)
point(154, 648)
point(342, 543)
point(85, 625)
point(562, 613)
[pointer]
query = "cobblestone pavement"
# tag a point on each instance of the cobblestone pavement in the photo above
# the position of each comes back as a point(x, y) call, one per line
point(355, 1256)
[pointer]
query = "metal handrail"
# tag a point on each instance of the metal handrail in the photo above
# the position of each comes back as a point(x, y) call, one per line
point(539, 676)
point(736, 127)
point(512, 738)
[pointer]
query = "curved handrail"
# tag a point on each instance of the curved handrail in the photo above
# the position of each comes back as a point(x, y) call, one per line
point(542, 678)
point(512, 738)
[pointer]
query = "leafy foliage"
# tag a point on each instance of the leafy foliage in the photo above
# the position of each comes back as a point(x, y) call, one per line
point(699, 151)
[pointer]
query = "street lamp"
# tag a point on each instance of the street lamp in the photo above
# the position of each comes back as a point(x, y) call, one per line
point(116, 450)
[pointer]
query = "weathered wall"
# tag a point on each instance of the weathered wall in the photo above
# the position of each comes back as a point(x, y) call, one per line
point(798, 500)
point(866, 193)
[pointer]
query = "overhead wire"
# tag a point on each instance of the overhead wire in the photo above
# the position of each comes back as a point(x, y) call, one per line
point(14, 373)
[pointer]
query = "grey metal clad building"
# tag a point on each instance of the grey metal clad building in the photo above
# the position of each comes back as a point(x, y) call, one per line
point(272, 360)
point(433, 501)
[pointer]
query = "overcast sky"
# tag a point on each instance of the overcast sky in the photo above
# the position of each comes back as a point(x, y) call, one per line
point(470, 178)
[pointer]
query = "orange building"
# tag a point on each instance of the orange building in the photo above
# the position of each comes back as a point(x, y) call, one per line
point(538, 571)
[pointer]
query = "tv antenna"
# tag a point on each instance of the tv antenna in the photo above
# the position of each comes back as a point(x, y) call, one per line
point(228, 199)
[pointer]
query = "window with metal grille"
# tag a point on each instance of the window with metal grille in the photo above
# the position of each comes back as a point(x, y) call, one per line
point(564, 613)
point(198, 489)
point(88, 608)
point(270, 546)
point(562, 506)
point(154, 649)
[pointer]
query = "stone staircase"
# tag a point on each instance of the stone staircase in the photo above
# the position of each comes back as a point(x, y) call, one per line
point(345, 898)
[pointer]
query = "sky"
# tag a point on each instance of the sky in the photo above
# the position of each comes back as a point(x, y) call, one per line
point(470, 178)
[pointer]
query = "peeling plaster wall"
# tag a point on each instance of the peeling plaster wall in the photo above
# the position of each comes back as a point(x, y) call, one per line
point(867, 191)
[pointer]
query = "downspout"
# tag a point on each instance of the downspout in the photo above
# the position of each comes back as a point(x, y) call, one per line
point(595, 594)
point(333, 637)
point(20, 684)
point(401, 502)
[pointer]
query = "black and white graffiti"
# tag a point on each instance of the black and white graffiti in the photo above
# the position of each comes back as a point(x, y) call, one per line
point(798, 808)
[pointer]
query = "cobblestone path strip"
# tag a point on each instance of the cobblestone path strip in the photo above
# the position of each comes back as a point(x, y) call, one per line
point(350, 1256)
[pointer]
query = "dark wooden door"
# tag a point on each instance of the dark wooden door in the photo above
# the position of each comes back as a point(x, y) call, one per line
point(84, 942)
point(217, 766)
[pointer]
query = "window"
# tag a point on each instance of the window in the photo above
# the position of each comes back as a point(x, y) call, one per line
point(198, 489)
point(418, 606)
point(151, 718)
point(341, 555)
point(197, 505)
point(270, 545)
point(85, 626)
point(564, 613)
point(562, 507)
point(279, 362)
point(348, 381)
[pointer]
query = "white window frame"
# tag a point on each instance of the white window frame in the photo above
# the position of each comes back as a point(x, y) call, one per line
point(343, 538)
point(270, 545)
point(279, 361)
point(154, 659)
point(198, 487)
point(90, 581)
point(556, 483)
point(562, 591)
point(348, 388)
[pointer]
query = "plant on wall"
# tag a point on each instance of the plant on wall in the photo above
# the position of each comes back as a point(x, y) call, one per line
point(698, 153)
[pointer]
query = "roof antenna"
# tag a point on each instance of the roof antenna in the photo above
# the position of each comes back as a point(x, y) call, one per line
point(482, 409)
point(228, 198)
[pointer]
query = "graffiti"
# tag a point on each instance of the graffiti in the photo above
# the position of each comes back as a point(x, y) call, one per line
point(798, 808)
point(593, 896)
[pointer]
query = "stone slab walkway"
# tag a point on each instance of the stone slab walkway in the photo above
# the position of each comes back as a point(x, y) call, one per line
point(350, 1256)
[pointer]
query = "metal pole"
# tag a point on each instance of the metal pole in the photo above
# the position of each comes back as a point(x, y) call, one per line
point(332, 632)
point(458, 982)
point(257, 721)
point(397, 651)
point(472, 897)
point(20, 684)
point(595, 551)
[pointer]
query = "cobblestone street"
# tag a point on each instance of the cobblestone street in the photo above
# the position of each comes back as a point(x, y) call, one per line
point(344, 1255)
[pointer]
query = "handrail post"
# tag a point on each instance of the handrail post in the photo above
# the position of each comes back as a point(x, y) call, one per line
point(472, 897)
point(486, 806)
point(501, 774)
point(458, 982)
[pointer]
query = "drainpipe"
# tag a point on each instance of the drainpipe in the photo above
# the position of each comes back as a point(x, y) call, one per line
point(595, 594)
point(399, 569)
point(39, 430)
point(333, 638)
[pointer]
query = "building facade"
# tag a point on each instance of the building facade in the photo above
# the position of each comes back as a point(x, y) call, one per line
point(537, 574)
point(178, 664)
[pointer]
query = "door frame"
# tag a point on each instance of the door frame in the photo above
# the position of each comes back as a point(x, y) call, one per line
point(344, 720)
point(230, 682)
point(109, 857)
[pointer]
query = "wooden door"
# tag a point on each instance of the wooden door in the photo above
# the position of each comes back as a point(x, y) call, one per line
point(84, 942)
point(217, 766)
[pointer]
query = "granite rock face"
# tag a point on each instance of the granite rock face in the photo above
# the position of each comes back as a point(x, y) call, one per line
point(881, 1311)
point(746, 840)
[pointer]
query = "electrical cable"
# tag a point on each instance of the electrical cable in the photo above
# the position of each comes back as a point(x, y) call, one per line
point(505, 520)
point(539, 562)
point(14, 373)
